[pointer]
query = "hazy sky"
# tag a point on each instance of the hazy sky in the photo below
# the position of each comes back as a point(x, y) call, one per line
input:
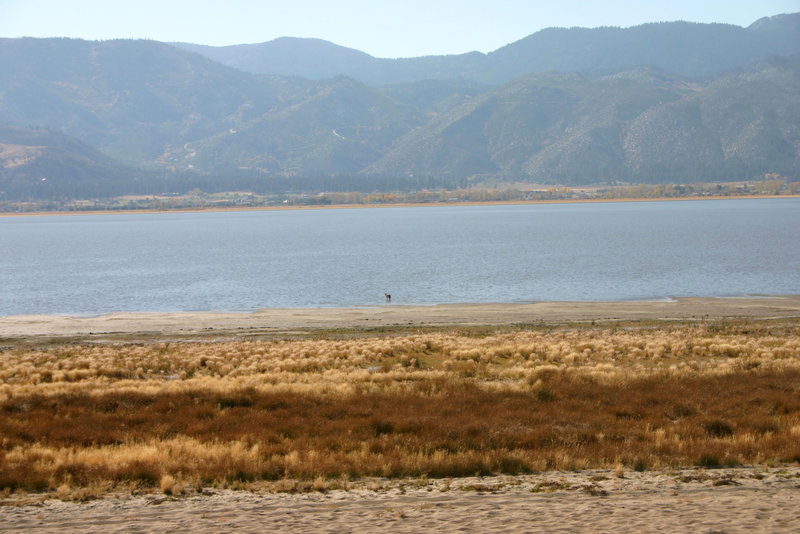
point(383, 28)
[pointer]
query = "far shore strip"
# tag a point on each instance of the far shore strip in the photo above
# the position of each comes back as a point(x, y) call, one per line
point(393, 315)
point(432, 204)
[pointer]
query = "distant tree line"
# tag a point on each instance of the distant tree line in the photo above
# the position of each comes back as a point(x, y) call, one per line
point(771, 185)
point(57, 183)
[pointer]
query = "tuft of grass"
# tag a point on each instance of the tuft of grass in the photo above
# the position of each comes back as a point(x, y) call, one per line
point(167, 484)
point(320, 484)
point(619, 471)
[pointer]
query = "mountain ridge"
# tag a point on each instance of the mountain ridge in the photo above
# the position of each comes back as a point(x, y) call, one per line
point(168, 119)
point(702, 50)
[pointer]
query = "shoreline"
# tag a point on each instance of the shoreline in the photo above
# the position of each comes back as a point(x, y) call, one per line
point(276, 321)
point(203, 209)
point(729, 500)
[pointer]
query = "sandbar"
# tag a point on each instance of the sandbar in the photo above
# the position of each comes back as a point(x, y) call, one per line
point(287, 320)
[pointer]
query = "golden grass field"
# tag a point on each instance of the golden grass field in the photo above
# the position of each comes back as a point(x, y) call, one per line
point(314, 410)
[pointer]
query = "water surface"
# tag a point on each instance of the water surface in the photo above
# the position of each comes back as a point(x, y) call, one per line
point(92, 264)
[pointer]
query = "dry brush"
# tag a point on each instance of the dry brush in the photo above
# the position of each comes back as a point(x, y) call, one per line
point(439, 404)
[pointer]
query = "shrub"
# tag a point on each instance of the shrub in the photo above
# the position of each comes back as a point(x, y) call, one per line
point(380, 427)
point(545, 395)
point(640, 465)
point(718, 428)
point(709, 460)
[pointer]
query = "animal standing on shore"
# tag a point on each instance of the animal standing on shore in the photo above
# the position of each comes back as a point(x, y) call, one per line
point(388, 297)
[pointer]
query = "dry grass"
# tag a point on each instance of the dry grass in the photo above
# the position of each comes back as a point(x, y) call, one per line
point(322, 411)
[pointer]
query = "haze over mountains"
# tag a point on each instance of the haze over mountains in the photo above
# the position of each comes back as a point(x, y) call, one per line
point(668, 102)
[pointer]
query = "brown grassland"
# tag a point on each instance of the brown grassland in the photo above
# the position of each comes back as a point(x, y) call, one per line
point(313, 411)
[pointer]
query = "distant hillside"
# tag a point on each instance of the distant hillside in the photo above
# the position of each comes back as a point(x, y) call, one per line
point(314, 59)
point(112, 117)
point(134, 100)
point(688, 49)
point(339, 126)
point(40, 163)
point(641, 125)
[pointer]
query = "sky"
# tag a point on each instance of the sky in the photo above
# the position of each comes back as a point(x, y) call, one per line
point(382, 28)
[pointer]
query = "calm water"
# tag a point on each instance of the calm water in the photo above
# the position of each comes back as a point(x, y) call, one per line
point(259, 259)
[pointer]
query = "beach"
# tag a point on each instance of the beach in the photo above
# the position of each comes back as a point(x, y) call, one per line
point(728, 500)
point(277, 321)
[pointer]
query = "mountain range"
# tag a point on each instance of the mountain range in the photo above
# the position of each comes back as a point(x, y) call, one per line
point(667, 102)
point(683, 48)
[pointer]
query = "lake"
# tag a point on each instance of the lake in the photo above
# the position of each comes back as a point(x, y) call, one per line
point(245, 260)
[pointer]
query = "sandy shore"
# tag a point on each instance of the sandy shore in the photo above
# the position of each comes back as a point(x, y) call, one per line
point(289, 320)
point(725, 500)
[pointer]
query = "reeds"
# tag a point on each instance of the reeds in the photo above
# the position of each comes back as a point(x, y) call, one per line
point(440, 404)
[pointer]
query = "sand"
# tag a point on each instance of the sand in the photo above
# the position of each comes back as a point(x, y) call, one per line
point(726, 500)
point(189, 324)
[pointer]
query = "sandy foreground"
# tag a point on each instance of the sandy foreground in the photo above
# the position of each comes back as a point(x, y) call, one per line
point(288, 320)
point(751, 499)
